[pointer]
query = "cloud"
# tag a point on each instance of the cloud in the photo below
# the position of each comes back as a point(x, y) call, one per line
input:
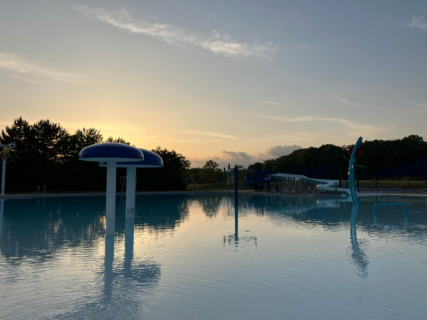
point(353, 129)
point(217, 43)
point(265, 102)
point(278, 151)
point(235, 156)
point(228, 157)
point(348, 102)
point(212, 134)
point(18, 66)
point(418, 22)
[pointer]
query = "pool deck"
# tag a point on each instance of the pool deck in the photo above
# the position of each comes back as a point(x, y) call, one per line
point(248, 192)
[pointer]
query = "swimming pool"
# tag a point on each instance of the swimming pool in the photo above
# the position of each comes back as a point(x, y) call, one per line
point(192, 257)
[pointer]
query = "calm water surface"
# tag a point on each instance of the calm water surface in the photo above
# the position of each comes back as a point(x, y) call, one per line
point(196, 257)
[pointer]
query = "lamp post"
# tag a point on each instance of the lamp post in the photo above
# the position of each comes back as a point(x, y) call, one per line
point(4, 156)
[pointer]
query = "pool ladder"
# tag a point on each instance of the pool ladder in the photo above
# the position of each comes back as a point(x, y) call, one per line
point(44, 189)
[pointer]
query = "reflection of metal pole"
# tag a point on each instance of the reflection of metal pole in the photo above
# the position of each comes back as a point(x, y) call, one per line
point(1, 215)
point(3, 176)
point(236, 224)
point(110, 211)
point(130, 191)
point(129, 236)
point(108, 265)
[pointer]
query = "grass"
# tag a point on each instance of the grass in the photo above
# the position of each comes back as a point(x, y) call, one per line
point(393, 184)
point(216, 186)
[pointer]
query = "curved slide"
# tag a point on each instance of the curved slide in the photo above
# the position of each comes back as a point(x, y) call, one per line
point(326, 186)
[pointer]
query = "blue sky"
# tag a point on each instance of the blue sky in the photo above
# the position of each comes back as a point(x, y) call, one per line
point(234, 81)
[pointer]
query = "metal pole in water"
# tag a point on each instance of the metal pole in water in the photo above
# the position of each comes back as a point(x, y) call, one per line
point(236, 224)
point(130, 192)
point(1, 215)
point(3, 176)
point(110, 210)
point(425, 169)
point(236, 186)
point(339, 169)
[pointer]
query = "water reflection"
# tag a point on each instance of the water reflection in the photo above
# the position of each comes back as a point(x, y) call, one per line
point(60, 247)
point(46, 235)
point(234, 238)
point(1, 215)
point(358, 256)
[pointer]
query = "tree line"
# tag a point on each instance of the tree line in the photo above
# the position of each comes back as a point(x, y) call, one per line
point(379, 154)
point(46, 154)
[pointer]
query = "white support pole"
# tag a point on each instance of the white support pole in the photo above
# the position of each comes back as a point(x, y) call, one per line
point(110, 210)
point(130, 192)
point(1, 215)
point(3, 176)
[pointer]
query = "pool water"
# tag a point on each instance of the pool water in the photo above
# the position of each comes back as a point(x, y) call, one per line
point(198, 257)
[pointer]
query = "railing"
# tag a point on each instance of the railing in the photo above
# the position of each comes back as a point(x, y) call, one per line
point(405, 211)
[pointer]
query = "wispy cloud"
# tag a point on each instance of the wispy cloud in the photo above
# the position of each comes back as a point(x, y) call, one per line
point(205, 133)
point(271, 103)
point(352, 128)
point(20, 67)
point(216, 42)
point(24, 79)
point(418, 22)
point(348, 102)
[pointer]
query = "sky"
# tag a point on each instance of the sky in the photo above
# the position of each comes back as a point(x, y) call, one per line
point(233, 81)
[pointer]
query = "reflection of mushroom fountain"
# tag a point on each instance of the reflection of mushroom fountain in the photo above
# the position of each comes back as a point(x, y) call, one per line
point(358, 255)
point(151, 160)
point(140, 273)
point(111, 153)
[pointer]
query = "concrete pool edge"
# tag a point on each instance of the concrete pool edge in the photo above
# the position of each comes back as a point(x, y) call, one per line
point(148, 193)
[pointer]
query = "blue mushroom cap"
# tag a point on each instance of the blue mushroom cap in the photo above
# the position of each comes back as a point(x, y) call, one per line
point(111, 151)
point(151, 160)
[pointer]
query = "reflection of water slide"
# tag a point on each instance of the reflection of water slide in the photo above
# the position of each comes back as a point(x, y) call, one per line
point(358, 256)
point(323, 185)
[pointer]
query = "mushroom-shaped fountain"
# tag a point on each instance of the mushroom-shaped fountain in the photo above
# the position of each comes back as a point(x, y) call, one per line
point(111, 153)
point(151, 160)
